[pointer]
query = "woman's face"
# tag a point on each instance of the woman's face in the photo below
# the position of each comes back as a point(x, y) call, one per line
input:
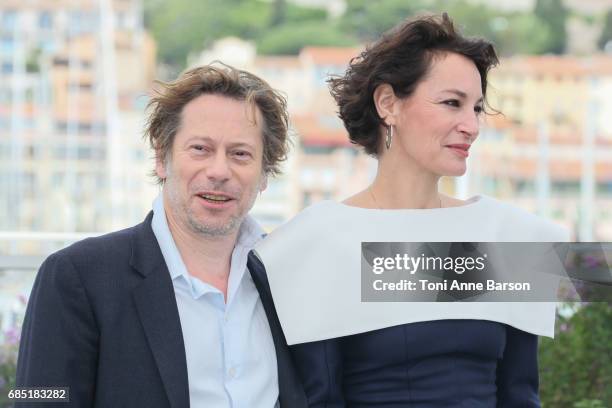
point(436, 125)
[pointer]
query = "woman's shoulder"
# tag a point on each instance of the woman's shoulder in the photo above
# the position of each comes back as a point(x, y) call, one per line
point(317, 215)
point(518, 221)
point(305, 229)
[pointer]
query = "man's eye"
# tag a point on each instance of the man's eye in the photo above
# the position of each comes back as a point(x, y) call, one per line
point(241, 154)
point(199, 148)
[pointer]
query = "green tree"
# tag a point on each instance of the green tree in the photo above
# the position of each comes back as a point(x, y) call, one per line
point(511, 33)
point(300, 15)
point(279, 15)
point(472, 19)
point(576, 366)
point(523, 33)
point(182, 26)
point(291, 38)
point(247, 19)
point(367, 19)
point(553, 14)
point(606, 33)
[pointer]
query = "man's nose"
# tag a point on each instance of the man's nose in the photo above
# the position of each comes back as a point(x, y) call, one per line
point(219, 167)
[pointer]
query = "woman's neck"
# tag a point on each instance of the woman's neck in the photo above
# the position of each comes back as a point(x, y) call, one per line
point(404, 184)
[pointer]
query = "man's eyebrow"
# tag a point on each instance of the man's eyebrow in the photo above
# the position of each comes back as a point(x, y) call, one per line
point(242, 145)
point(202, 138)
point(208, 139)
point(460, 94)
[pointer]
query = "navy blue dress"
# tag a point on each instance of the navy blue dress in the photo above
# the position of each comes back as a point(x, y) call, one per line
point(434, 364)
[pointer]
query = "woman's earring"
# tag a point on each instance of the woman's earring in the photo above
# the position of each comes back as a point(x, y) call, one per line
point(389, 136)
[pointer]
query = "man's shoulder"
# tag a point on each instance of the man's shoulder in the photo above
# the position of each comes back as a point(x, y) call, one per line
point(114, 247)
point(114, 242)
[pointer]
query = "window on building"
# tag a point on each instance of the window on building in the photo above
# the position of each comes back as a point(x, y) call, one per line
point(85, 153)
point(604, 188)
point(306, 199)
point(7, 44)
point(60, 61)
point(565, 187)
point(316, 150)
point(121, 20)
point(6, 68)
point(80, 86)
point(57, 179)
point(45, 20)
point(9, 19)
point(85, 127)
point(524, 187)
point(27, 184)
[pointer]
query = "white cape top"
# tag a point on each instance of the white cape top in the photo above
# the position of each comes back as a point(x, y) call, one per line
point(314, 266)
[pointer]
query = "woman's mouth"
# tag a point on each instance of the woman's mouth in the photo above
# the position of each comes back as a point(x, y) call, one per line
point(461, 149)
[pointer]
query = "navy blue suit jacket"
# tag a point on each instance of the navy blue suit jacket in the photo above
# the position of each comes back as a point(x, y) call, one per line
point(102, 319)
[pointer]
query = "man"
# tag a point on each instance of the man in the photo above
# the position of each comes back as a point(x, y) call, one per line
point(166, 314)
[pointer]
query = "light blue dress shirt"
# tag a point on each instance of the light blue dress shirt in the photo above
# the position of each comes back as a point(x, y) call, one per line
point(231, 360)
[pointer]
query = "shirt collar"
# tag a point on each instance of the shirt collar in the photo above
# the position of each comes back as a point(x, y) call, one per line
point(249, 234)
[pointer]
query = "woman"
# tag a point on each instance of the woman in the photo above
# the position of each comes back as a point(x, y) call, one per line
point(413, 100)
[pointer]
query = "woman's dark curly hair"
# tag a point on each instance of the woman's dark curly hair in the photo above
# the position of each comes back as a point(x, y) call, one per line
point(401, 58)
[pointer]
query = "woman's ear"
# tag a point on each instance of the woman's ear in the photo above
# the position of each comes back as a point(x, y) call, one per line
point(385, 101)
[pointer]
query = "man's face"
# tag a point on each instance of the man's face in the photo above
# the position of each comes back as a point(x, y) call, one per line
point(215, 168)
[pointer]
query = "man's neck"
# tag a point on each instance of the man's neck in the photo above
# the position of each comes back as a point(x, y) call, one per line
point(207, 258)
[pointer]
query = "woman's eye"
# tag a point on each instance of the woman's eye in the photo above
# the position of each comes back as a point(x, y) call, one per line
point(478, 109)
point(452, 102)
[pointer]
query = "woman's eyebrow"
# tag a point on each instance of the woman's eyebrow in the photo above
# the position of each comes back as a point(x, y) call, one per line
point(460, 94)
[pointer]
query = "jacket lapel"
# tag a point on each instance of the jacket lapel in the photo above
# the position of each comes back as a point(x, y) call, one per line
point(158, 312)
point(290, 387)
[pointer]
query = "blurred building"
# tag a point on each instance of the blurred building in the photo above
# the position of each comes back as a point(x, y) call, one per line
point(74, 78)
point(551, 150)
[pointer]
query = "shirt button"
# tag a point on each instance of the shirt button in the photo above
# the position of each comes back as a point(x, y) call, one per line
point(232, 372)
point(225, 319)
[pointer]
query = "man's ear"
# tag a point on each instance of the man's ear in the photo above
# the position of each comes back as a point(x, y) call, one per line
point(160, 166)
point(385, 102)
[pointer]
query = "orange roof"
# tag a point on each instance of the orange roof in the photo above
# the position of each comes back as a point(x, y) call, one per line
point(526, 168)
point(557, 137)
point(277, 61)
point(499, 122)
point(330, 55)
point(313, 133)
point(560, 65)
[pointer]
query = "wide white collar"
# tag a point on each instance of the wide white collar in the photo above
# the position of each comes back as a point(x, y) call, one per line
point(313, 265)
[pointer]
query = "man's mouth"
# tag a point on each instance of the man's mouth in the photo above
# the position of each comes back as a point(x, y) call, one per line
point(215, 198)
